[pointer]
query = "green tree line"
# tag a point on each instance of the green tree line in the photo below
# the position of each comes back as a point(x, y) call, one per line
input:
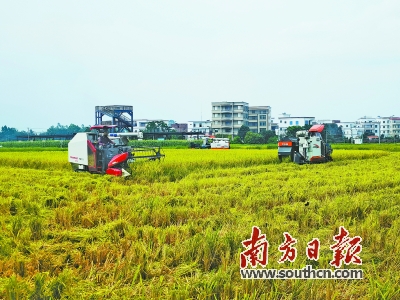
point(11, 133)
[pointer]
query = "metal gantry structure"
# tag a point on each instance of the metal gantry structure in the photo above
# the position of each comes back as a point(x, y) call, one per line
point(121, 116)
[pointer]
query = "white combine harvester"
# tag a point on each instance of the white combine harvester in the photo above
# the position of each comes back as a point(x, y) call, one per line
point(312, 147)
point(87, 152)
point(307, 147)
point(220, 143)
point(212, 143)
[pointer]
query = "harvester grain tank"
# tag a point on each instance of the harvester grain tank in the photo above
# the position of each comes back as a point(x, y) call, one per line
point(111, 155)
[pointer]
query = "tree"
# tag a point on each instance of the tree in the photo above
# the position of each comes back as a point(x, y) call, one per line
point(156, 126)
point(72, 128)
point(291, 130)
point(273, 140)
point(66, 129)
point(267, 134)
point(8, 133)
point(243, 130)
point(332, 132)
point(237, 140)
point(253, 138)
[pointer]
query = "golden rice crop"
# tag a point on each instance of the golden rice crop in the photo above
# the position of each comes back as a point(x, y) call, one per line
point(174, 230)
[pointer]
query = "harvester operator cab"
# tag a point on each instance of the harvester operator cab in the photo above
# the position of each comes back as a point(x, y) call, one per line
point(104, 139)
point(316, 134)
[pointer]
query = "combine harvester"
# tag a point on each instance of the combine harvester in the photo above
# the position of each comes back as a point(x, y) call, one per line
point(308, 147)
point(91, 152)
point(212, 143)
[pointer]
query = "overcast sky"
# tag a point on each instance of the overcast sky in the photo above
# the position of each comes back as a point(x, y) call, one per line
point(171, 59)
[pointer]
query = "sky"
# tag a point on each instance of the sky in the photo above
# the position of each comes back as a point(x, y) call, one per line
point(171, 59)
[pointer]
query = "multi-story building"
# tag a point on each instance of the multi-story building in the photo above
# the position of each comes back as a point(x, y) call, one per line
point(374, 126)
point(140, 124)
point(285, 121)
point(259, 118)
point(200, 126)
point(180, 127)
point(350, 130)
point(274, 125)
point(228, 117)
point(327, 121)
point(395, 126)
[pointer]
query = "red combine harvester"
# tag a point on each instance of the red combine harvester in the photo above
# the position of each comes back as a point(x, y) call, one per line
point(103, 153)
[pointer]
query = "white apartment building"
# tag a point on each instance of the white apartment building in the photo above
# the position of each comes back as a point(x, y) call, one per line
point(327, 121)
point(259, 118)
point(386, 126)
point(200, 126)
point(228, 117)
point(285, 121)
point(350, 130)
point(395, 126)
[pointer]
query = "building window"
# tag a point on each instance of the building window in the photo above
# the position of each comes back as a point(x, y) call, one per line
point(291, 122)
point(280, 121)
point(263, 123)
point(306, 122)
point(263, 117)
point(297, 122)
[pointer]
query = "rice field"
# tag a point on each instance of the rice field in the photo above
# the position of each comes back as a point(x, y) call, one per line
point(174, 230)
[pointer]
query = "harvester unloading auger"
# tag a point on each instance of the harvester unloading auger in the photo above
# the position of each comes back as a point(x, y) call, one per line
point(307, 147)
point(91, 152)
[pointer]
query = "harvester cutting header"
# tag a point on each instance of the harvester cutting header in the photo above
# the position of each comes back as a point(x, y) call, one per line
point(101, 153)
point(307, 147)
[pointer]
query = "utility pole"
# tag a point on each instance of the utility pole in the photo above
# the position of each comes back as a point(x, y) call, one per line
point(379, 132)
